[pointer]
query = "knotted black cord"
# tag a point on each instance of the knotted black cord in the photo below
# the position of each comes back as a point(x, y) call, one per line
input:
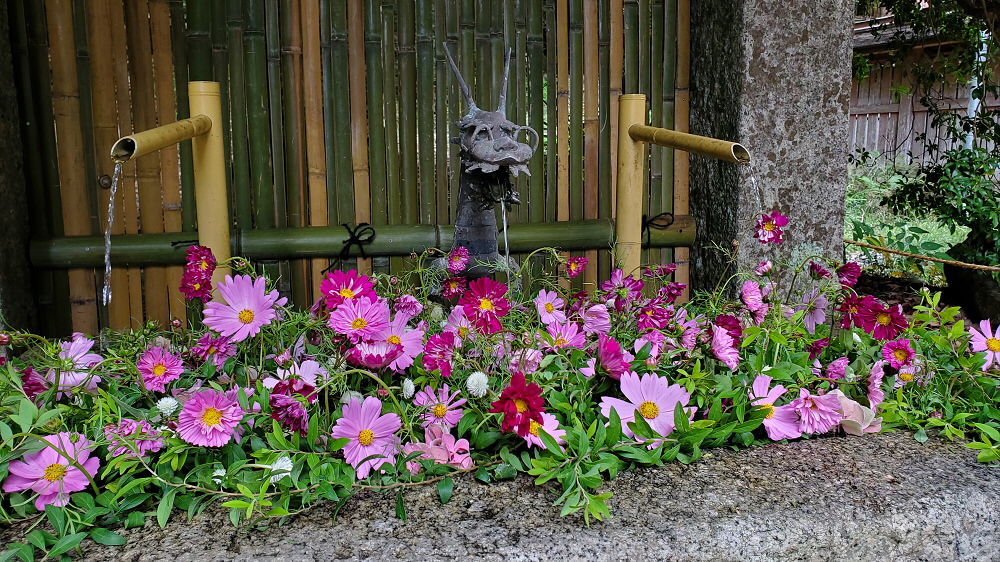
point(359, 236)
point(662, 221)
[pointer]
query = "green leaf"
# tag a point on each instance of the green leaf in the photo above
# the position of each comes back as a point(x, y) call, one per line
point(239, 504)
point(22, 550)
point(921, 436)
point(104, 536)
point(57, 518)
point(445, 489)
point(504, 471)
point(135, 519)
point(166, 506)
point(989, 455)
point(40, 538)
point(400, 506)
point(67, 543)
point(989, 430)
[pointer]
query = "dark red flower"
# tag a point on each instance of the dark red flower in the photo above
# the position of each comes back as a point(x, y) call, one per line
point(817, 271)
point(453, 287)
point(882, 322)
point(33, 383)
point(290, 413)
point(849, 273)
point(816, 348)
point(732, 326)
point(671, 291)
point(520, 403)
point(853, 305)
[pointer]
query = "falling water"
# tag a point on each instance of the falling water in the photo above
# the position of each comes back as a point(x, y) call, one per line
point(506, 244)
point(752, 176)
point(106, 292)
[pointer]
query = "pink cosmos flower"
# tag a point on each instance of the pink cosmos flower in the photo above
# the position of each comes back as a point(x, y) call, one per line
point(408, 307)
point(875, 393)
point(781, 422)
point(158, 367)
point(649, 396)
point(654, 315)
point(837, 369)
point(128, 437)
point(814, 304)
point(724, 347)
point(551, 426)
point(308, 371)
point(209, 419)
point(986, 340)
point(458, 259)
point(550, 307)
point(672, 291)
point(360, 319)
point(442, 407)
point(218, 349)
point(460, 325)
point(849, 274)
point(769, 228)
point(883, 323)
point(753, 297)
point(233, 395)
point(732, 326)
point(857, 420)
point(51, 472)
point(656, 341)
point(763, 268)
point(77, 361)
point(564, 335)
point(660, 270)
point(899, 353)
point(374, 354)
point(525, 361)
point(485, 304)
point(613, 360)
point(249, 307)
point(440, 447)
point(596, 320)
point(576, 266)
point(623, 289)
point(340, 286)
point(438, 353)
point(453, 287)
point(817, 413)
point(409, 341)
point(370, 434)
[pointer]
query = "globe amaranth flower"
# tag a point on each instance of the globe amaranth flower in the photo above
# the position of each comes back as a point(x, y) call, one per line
point(520, 403)
point(439, 446)
point(167, 405)
point(217, 349)
point(77, 360)
point(780, 422)
point(550, 307)
point(340, 286)
point(360, 319)
point(560, 336)
point(849, 274)
point(485, 304)
point(158, 367)
point(438, 353)
point(649, 396)
point(453, 287)
point(882, 322)
point(458, 258)
point(249, 307)
point(899, 353)
point(770, 228)
point(986, 340)
point(132, 438)
point(817, 413)
point(549, 425)
point(369, 434)
point(478, 384)
point(209, 418)
point(575, 266)
point(441, 406)
point(55, 471)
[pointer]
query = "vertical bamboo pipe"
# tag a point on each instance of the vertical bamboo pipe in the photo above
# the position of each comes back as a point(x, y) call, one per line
point(591, 125)
point(211, 198)
point(631, 157)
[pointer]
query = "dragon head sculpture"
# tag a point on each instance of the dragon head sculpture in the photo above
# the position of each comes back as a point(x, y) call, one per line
point(488, 139)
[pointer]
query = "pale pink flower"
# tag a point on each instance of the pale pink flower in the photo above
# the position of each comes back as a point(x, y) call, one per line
point(817, 413)
point(781, 422)
point(77, 362)
point(54, 474)
point(550, 307)
point(857, 420)
point(649, 396)
point(369, 434)
point(724, 347)
point(441, 447)
point(460, 325)
point(564, 335)
point(988, 341)
point(410, 342)
point(248, 307)
point(442, 406)
point(596, 320)
point(549, 425)
point(525, 361)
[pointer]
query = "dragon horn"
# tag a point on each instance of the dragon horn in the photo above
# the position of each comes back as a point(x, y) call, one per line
point(461, 81)
point(502, 106)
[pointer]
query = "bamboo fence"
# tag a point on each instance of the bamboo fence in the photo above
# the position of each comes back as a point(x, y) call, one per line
point(338, 112)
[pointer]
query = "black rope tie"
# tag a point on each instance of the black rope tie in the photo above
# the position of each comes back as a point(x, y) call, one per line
point(661, 221)
point(359, 236)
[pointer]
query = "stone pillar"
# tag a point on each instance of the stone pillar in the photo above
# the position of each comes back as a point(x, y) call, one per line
point(774, 75)
point(16, 300)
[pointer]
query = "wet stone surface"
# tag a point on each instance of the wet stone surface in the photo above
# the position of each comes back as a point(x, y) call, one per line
point(881, 497)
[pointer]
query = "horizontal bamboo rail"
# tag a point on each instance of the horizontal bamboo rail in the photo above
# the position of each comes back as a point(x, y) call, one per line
point(326, 241)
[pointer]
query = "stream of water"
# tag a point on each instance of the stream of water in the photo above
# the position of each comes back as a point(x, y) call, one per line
point(115, 178)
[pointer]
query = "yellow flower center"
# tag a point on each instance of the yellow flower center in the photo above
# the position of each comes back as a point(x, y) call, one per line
point(197, 286)
point(463, 332)
point(901, 355)
point(486, 304)
point(993, 345)
point(246, 316)
point(440, 411)
point(453, 285)
point(159, 370)
point(534, 427)
point(770, 226)
point(573, 266)
point(521, 405)
point(55, 472)
point(366, 437)
point(394, 339)
point(212, 416)
point(906, 376)
point(204, 264)
point(561, 342)
point(770, 410)
point(212, 350)
point(346, 293)
point(649, 410)
point(549, 308)
point(883, 319)
point(359, 324)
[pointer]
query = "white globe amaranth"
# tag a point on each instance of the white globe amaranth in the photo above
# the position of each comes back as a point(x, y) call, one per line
point(217, 475)
point(408, 389)
point(478, 384)
point(350, 395)
point(281, 468)
point(167, 405)
point(436, 312)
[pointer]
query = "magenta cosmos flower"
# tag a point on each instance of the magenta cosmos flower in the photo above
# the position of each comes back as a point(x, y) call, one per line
point(373, 354)
point(550, 307)
point(309, 371)
point(564, 335)
point(340, 286)
point(576, 266)
point(441, 406)
point(769, 228)
point(611, 358)
point(407, 306)
point(899, 353)
point(623, 289)
point(875, 393)
point(596, 320)
point(817, 413)
point(51, 472)
point(781, 422)
point(249, 307)
point(128, 437)
point(849, 274)
point(369, 434)
point(549, 425)
point(458, 259)
point(753, 297)
point(439, 446)
point(986, 340)
point(851, 306)
point(158, 367)
point(361, 319)
point(651, 397)
point(883, 323)
point(77, 362)
point(209, 418)
point(485, 304)
point(764, 267)
point(438, 353)
point(724, 347)
point(453, 287)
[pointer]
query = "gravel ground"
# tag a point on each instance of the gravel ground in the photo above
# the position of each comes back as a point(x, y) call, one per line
point(838, 498)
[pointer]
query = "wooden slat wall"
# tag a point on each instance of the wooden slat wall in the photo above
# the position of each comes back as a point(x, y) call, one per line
point(307, 103)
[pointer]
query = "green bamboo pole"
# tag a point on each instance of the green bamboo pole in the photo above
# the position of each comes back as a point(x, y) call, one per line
point(425, 109)
point(498, 51)
point(517, 23)
point(483, 88)
point(87, 119)
point(199, 39)
point(376, 116)
point(644, 46)
point(576, 109)
point(551, 117)
point(454, 109)
point(406, 55)
point(441, 119)
point(338, 89)
point(258, 123)
point(242, 195)
point(466, 55)
point(394, 196)
point(294, 143)
point(276, 133)
point(329, 111)
point(656, 85)
point(220, 74)
point(631, 47)
point(667, 120)
point(168, 248)
point(178, 32)
point(604, 154)
point(535, 46)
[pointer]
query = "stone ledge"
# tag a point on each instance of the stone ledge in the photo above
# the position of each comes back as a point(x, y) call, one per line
point(839, 498)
